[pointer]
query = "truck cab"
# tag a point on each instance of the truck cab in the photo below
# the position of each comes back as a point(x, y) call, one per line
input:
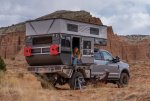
point(104, 61)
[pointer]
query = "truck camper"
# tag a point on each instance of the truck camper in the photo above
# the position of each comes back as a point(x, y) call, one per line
point(50, 47)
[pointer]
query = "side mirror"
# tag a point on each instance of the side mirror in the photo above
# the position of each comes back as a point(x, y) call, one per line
point(117, 59)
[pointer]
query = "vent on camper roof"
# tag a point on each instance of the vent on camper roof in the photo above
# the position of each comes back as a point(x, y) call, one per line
point(72, 27)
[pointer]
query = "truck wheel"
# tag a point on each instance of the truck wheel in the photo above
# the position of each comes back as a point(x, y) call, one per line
point(77, 81)
point(124, 79)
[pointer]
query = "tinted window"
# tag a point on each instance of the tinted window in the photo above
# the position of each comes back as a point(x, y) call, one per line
point(72, 27)
point(87, 44)
point(65, 41)
point(99, 41)
point(94, 31)
point(42, 40)
point(107, 56)
point(97, 56)
point(87, 47)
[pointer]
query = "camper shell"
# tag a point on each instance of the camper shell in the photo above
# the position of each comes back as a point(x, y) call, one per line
point(50, 44)
point(63, 35)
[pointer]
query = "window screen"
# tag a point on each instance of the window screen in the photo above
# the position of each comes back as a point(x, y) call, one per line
point(65, 41)
point(87, 44)
point(86, 47)
point(94, 31)
point(72, 27)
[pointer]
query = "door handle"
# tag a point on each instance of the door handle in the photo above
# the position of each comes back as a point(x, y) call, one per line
point(118, 67)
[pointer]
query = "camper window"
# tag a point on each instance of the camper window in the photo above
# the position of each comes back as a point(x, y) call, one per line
point(87, 48)
point(94, 31)
point(99, 41)
point(72, 27)
point(42, 40)
point(65, 41)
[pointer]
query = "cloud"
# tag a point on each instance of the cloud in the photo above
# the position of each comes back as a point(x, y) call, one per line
point(126, 16)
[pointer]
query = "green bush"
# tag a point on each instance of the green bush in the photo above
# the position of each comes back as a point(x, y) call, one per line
point(2, 65)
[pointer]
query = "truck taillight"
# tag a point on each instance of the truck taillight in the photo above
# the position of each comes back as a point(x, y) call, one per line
point(54, 49)
point(27, 51)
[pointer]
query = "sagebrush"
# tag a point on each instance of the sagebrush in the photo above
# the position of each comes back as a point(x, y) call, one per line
point(2, 65)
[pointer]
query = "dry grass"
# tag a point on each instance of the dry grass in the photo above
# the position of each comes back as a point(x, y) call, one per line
point(15, 89)
point(19, 85)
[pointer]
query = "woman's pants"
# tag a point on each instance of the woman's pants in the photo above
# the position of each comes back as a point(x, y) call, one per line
point(75, 61)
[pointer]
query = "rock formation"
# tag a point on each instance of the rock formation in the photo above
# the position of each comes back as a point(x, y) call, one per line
point(12, 38)
point(74, 15)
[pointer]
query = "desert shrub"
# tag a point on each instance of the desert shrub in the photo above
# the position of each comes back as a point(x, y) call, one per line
point(1, 77)
point(2, 65)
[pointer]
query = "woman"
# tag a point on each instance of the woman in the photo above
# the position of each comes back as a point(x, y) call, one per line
point(76, 56)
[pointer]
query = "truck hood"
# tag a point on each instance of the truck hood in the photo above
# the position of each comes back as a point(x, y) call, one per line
point(123, 64)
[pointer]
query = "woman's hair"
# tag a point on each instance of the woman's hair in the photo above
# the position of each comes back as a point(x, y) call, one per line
point(76, 53)
point(74, 50)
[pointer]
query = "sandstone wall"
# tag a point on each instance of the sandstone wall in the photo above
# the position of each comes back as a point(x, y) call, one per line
point(12, 38)
point(74, 15)
point(143, 50)
point(11, 44)
point(125, 50)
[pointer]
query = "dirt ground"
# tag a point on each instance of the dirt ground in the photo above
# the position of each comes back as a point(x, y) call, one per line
point(17, 84)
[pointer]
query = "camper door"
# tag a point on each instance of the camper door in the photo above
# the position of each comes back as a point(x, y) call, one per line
point(87, 50)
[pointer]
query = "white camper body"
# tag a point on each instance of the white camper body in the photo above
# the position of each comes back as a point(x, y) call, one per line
point(61, 25)
point(66, 33)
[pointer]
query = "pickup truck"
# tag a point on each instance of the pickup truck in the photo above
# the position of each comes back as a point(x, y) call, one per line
point(73, 75)
point(50, 45)
point(104, 61)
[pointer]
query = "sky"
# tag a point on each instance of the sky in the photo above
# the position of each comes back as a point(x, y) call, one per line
point(125, 16)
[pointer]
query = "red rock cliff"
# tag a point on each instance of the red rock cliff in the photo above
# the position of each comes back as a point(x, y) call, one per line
point(12, 38)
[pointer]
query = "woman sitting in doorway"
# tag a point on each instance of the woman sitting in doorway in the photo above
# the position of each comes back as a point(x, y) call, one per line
point(76, 56)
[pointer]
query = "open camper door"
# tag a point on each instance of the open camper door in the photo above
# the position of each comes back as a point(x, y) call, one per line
point(87, 50)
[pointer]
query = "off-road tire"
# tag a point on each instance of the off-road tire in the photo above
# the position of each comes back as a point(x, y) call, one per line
point(124, 80)
point(72, 80)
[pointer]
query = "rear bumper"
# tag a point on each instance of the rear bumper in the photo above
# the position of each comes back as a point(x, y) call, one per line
point(62, 70)
point(43, 59)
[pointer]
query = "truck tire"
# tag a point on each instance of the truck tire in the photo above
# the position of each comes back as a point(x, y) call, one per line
point(73, 82)
point(124, 80)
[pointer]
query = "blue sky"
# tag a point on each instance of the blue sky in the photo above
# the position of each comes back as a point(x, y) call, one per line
point(126, 16)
